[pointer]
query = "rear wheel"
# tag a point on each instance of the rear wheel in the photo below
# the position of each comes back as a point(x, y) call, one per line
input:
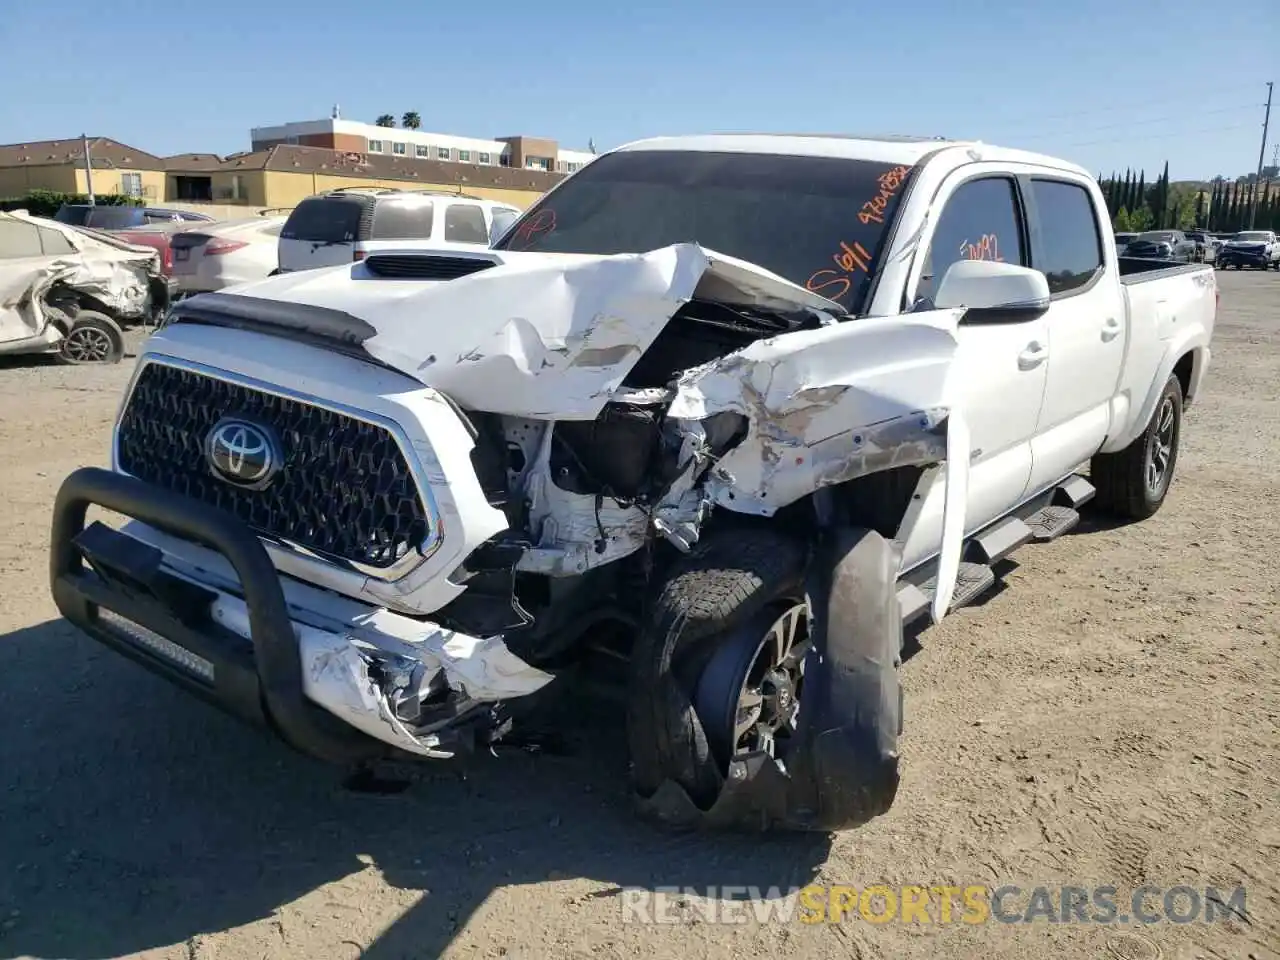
point(93, 338)
point(1134, 482)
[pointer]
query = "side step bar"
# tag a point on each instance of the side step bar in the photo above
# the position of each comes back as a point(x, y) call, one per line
point(1042, 519)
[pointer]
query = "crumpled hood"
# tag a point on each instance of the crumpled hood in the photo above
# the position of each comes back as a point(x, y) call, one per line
point(536, 335)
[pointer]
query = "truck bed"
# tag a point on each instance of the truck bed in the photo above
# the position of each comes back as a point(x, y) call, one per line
point(1141, 269)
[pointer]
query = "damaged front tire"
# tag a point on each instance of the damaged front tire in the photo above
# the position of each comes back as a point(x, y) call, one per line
point(762, 697)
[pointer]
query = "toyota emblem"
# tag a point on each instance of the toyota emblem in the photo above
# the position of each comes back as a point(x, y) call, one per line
point(242, 453)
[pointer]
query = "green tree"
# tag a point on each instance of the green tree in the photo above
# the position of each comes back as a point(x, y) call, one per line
point(1140, 196)
point(1122, 224)
point(1140, 219)
point(386, 120)
point(411, 120)
point(1183, 208)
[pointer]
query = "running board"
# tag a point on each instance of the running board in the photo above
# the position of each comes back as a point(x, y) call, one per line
point(1058, 512)
point(1049, 523)
point(972, 580)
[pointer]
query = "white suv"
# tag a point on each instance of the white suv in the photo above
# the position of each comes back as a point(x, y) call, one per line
point(349, 224)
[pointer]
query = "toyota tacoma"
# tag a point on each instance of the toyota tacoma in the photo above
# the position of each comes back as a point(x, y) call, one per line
point(729, 411)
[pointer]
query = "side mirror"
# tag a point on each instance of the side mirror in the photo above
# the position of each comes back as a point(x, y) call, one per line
point(993, 292)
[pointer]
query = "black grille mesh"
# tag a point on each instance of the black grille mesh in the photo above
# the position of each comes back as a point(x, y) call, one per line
point(425, 268)
point(344, 489)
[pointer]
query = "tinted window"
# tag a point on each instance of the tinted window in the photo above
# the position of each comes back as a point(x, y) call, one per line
point(818, 221)
point(114, 218)
point(1070, 251)
point(18, 239)
point(980, 221)
point(327, 219)
point(464, 223)
point(54, 243)
point(403, 220)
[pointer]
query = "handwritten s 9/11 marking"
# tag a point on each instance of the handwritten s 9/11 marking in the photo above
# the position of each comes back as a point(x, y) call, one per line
point(834, 284)
point(987, 248)
point(873, 210)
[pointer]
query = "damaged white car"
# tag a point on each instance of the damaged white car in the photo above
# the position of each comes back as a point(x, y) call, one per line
point(726, 412)
point(69, 291)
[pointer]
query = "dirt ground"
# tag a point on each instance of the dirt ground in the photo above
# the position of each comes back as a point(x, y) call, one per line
point(1112, 717)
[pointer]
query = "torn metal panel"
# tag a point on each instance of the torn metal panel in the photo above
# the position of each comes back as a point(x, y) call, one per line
point(114, 275)
point(375, 686)
point(537, 335)
point(826, 405)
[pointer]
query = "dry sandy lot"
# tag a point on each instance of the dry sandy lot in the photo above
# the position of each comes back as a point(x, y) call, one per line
point(1111, 717)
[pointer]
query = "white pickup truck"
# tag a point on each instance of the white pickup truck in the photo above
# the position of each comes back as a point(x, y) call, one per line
point(729, 410)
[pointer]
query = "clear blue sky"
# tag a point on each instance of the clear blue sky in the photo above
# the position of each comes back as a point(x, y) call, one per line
point(1107, 84)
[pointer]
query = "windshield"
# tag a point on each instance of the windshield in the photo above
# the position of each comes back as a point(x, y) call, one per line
point(820, 222)
point(1251, 236)
point(1156, 236)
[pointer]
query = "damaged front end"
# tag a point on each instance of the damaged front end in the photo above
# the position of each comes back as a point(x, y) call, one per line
point(579, 423)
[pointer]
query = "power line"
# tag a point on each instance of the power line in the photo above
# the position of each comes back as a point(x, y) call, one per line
point(1138, 123)
point(1180, 99)
point(1163, 136)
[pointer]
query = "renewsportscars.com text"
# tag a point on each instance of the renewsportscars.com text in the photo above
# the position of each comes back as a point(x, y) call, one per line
point(940, 904)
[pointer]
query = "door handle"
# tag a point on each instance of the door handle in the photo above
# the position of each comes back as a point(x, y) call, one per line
point(1032, 356)
point(1111, 329)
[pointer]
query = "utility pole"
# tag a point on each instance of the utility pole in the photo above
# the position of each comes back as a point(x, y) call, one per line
point(88, 167)
point(1262, 153)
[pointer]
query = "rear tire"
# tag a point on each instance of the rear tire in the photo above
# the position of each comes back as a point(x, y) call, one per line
point(93, 338)
point(1134, 482)
point(712, 599)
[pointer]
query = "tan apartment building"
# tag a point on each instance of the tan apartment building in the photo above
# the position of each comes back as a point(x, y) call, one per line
point(59, 165)
point(283, 174)
point(281, 170)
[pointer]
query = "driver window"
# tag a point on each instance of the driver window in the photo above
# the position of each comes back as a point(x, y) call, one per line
point(979, 222)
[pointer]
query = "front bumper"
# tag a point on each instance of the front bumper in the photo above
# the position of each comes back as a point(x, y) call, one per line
point(1249, 259)
point(246, 654)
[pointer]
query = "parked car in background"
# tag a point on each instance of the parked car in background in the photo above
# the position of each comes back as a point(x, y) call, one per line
point(1162, 245)
point(99, 217)
point(343, 226)
point(1206, 245)
point(1122, 242)
point(68, 291)
point(224, 254)
point(1251, 248)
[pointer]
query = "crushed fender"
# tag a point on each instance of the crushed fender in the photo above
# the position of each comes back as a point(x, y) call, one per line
point(841, 769)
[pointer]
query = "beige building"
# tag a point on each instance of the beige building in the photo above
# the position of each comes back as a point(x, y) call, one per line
point(59, 165)
point(279, 174)
point(283, 174)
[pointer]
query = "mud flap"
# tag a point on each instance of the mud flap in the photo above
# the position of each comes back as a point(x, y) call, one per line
point(841, 768)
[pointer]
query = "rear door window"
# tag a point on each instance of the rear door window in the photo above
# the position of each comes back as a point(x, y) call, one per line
point(403, 220)
point(324, 220)
point(19, 240)
point(1070, 242)
point(54, 242)
point(464, 223)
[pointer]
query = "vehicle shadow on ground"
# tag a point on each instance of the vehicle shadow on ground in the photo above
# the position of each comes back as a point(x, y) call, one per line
point(136, 818)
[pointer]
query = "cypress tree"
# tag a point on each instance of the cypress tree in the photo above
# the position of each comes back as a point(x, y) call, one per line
point(1162, 214)
point(1213, 205)
point(1124, 192)
point(1140, 198)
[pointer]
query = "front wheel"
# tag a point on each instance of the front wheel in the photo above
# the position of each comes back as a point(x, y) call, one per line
point(1134, 482)
point(93, 338)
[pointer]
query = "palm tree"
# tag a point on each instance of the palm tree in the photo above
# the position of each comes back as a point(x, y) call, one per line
point(411, 120)
point(386, 120)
